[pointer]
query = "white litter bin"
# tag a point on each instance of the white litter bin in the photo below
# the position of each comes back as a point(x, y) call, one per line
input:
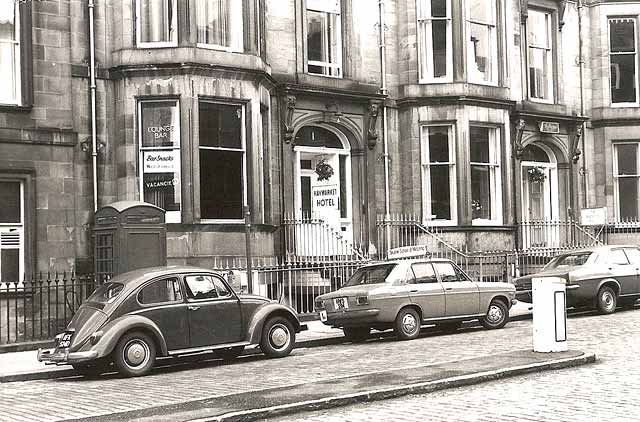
point(549, 314)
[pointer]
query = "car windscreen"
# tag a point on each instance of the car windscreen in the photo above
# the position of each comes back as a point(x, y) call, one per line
point(569, 260)
point(370, 275)
point(106, 293)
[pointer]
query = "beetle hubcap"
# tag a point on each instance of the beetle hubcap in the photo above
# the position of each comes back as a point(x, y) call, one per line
point(495, 314)
point(409, 323)
point(279, 336)
point(136, 353)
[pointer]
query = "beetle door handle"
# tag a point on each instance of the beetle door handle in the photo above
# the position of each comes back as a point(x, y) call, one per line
point(413, 291)
point(448, 288)
point(193, 308)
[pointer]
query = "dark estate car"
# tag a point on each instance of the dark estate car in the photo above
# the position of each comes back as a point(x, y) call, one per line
point(599, 277)
point(169, 311)
point(404, 294)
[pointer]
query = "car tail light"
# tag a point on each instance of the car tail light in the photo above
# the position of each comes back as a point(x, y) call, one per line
point(362, 300)
point(319, 305)
point(95, 337)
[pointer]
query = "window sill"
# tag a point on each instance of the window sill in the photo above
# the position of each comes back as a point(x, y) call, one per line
point(236, 227)
point(16, 108)
point(157, 45)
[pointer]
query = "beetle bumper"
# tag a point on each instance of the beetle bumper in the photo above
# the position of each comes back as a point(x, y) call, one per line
point(60, 357)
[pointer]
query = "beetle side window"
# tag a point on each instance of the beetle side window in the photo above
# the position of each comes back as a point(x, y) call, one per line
point(424, 273)
point(223, 291)
point(200, 287)
point(617, 257)
point(160, 291)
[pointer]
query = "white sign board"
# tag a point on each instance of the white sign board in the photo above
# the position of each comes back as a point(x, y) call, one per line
point(161, 161)
point(324, 198)
point(593, 216)
point(407, 252)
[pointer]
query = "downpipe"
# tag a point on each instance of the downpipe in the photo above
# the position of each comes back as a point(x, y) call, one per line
point(92, 89)
point(385, 144)
point(582, 104)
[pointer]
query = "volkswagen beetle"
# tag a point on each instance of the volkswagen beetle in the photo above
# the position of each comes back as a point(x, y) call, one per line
point(169, 311)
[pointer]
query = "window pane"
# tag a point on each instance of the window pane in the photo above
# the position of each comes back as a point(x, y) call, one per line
point(617, 257)
point(424, 273)
point(539, 73)
point(438, 144)
point(623, 78)
point(10, 265)
point(440, 193)
point(446, 271)
point(220, 125)
point(219, 22)
point(537, 28)
point(323, 42)
point(439, 8)
point(622, 35)
point(480, 50)
point(200, 287)
point(10, 200)
point(439, 37)
point(157, 20)
point(313, 136)
point(628, 197)
point(221, 185)
point(480, 192)
point(162, 187)
point(343, 186)
point(160, 124)
point(627, 159)
point(221, 288)
point(158, 292)
point(8, 13)
point(305, 182)
point(479, 137)
point(480, 10)
point(633, 254)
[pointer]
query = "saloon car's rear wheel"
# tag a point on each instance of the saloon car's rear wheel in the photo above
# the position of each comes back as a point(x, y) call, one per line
point(606, 300)
point(278, 337)
point(407, 325)
point(229, 354)
point(134, 354)
point(356, 333)
point(497, 315)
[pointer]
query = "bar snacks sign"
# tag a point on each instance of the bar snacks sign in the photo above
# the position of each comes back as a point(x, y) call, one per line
point(161, 161)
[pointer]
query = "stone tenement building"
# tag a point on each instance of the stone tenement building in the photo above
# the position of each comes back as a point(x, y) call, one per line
point(490, 114)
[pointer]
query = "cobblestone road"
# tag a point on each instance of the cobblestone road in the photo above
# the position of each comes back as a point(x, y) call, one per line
point(606, 391)
point(611, 337)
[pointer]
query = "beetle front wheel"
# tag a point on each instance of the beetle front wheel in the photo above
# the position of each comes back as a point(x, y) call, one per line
point(134, 354)
point(278, 337)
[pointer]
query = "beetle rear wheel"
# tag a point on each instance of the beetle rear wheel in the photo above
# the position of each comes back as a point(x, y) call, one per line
point(134, 354)
point(606, 300)
point(278, 337)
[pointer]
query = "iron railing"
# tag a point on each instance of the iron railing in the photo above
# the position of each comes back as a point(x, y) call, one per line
point(39, 308)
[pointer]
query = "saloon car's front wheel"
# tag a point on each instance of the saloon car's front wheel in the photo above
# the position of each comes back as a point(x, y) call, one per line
point(497, 315)
point(278, 337)
point(134, 354)
point(606, 300)
point(407, 325)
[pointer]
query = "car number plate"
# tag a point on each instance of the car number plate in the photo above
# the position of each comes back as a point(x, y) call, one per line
point(340, 303)
point(323, 316)
point(65, 341)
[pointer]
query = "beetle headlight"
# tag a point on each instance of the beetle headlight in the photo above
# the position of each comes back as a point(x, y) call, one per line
point(362, 300)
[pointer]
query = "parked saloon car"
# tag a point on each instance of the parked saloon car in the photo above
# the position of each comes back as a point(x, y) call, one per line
point(404, 294)
point(598, 277)
point(169, 311)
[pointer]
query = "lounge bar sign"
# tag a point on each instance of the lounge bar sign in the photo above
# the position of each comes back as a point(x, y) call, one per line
point(549, 127)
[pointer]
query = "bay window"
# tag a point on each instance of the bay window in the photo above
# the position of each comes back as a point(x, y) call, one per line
point(438, 175)
point(324, 37)
point(482, 44)
point(623, 61)
point(486, 187)
point(159, 155)
point(222, 161)
point(434, 40)
point(10, 54)
point(626, 177)
point(540, 56)
point(156, 23)
point(219, 24)
point(12, 216)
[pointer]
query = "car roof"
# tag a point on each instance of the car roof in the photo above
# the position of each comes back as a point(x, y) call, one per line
point(408, 261)
point(598, 249)
point(135, 277)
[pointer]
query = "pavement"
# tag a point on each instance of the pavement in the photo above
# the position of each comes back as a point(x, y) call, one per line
point(350, 387)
